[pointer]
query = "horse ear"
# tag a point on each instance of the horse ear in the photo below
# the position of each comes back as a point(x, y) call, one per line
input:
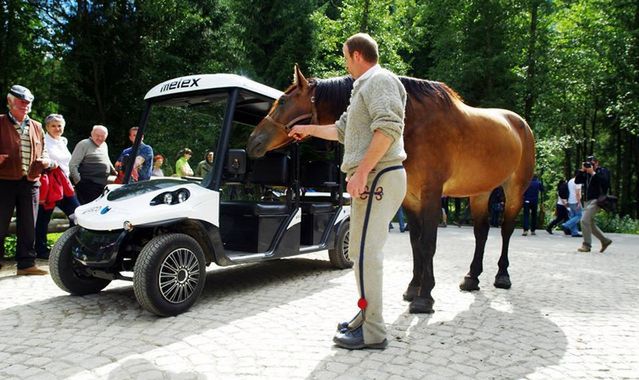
point(298, 77)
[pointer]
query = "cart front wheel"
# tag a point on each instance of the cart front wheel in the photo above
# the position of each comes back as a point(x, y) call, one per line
point(68, 273)
point(169, 274)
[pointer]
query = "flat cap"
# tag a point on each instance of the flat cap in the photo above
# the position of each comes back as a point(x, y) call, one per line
point(21, 92)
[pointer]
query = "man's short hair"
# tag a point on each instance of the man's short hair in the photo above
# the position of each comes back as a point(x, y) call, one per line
point(365, 45)
point(101, 127)
point(133, 129)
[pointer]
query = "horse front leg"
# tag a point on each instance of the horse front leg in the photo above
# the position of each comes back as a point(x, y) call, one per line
point(479, 210)
point(426, 240)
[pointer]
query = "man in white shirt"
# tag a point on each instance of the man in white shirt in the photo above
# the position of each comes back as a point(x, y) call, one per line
point(574, 204)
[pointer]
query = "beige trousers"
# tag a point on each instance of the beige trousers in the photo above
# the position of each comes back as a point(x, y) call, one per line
point(588, 226)
point(368, 233)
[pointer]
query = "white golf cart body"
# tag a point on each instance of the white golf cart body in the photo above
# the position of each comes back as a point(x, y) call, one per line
point(167, 229)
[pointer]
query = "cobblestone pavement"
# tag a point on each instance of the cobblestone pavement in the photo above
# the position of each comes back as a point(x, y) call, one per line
point(568, 315)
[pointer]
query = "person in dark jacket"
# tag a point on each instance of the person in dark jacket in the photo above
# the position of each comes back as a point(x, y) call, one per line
point(531, 201)
point(496, 201)
point(561, 208)
point(595, 184)
point(22, 158)
point(205, 166)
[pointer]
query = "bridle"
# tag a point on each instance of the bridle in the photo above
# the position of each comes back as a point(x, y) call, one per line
point(288, 126)
point(312, 116)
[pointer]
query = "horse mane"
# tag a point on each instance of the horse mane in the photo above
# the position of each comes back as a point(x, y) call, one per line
point(438, 91)
point(336, 92)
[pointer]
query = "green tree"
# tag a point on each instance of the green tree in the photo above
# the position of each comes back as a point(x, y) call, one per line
point(389, 22)
point(275, 35)
point(116, 50)
point(23, 52)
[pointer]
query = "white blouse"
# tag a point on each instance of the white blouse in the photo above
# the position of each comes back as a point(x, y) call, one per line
point(58, 152)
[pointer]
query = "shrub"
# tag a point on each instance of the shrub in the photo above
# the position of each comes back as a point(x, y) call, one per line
point(10, 243)
point(608, 222)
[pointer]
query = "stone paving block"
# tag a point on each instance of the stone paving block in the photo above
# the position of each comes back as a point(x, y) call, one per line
point(280, 321)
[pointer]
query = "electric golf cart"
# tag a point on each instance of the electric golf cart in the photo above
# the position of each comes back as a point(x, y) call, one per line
point(163, 233)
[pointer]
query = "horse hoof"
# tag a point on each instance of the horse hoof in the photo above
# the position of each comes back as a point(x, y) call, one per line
point(502, 281)
point(410, 293)
point(421, 305)
point(469, 284)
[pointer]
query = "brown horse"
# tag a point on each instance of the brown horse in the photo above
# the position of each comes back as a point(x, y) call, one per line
point(453, 149)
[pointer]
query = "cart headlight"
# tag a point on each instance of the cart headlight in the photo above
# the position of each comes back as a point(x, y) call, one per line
point(182, 195)
point(171, 198)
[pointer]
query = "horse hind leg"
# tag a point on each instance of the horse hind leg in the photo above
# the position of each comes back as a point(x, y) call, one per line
point(513, 191)
point(479, 211)
point(415, 234)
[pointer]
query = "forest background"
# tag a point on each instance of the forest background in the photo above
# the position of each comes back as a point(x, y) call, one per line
point(570, 67)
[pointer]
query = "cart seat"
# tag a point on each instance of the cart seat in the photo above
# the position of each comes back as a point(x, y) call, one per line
point(252, 208)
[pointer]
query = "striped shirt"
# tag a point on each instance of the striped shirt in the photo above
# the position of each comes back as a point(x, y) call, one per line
point(25, 142)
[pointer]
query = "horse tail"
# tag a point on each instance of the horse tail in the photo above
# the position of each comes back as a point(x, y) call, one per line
point(517, 183)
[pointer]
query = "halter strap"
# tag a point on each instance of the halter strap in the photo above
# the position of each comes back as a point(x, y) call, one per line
point(287, 127)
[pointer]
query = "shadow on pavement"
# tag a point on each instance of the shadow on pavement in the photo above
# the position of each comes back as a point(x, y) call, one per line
point(494, 338)
point(106, 328)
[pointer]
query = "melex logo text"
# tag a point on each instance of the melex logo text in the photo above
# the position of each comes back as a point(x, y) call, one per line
point(182, 83)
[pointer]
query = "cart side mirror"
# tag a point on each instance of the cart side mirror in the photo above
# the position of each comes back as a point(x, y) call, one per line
point(235, 163)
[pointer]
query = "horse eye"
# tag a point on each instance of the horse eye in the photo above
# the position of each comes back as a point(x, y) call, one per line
point(282, 101)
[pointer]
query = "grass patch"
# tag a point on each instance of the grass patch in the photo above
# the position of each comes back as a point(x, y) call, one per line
point(10, 243)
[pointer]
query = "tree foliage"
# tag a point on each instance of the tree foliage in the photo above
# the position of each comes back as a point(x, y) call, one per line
point(569, 66)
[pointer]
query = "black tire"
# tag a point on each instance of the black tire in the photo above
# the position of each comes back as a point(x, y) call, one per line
point(339, 255)
point(177, 259)
point(64, 269)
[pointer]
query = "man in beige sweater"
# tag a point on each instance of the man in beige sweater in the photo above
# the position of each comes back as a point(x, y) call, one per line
point(371, 130)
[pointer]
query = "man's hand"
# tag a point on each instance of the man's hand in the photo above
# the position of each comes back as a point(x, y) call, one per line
point(139, 160)
point(3, 157)
point(300, 132)
point(357, 184)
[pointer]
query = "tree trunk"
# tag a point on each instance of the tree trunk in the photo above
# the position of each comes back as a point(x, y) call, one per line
point(593, 127)
point(4, 19)
point(363, 27)
point(531, 61)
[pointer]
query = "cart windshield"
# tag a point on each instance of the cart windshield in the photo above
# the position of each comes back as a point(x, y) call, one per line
point(178, 126)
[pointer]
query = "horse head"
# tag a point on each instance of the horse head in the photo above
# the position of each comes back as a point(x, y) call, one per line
point(295, 106)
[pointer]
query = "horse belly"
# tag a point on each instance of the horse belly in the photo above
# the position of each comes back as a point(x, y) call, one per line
point(488, 153)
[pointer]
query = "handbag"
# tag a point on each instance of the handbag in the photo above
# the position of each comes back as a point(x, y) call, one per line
point(607, 202)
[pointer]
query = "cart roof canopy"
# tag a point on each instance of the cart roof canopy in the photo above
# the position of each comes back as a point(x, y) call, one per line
point(253, 103)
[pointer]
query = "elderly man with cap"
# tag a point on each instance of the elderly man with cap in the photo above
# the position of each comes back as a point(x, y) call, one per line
point(22, 158)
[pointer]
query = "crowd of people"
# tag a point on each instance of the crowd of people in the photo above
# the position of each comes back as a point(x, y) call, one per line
point(38, 173)
point(574, 210)
point(574, 207)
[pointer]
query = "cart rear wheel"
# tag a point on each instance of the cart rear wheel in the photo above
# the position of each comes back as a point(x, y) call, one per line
point(339, 255)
